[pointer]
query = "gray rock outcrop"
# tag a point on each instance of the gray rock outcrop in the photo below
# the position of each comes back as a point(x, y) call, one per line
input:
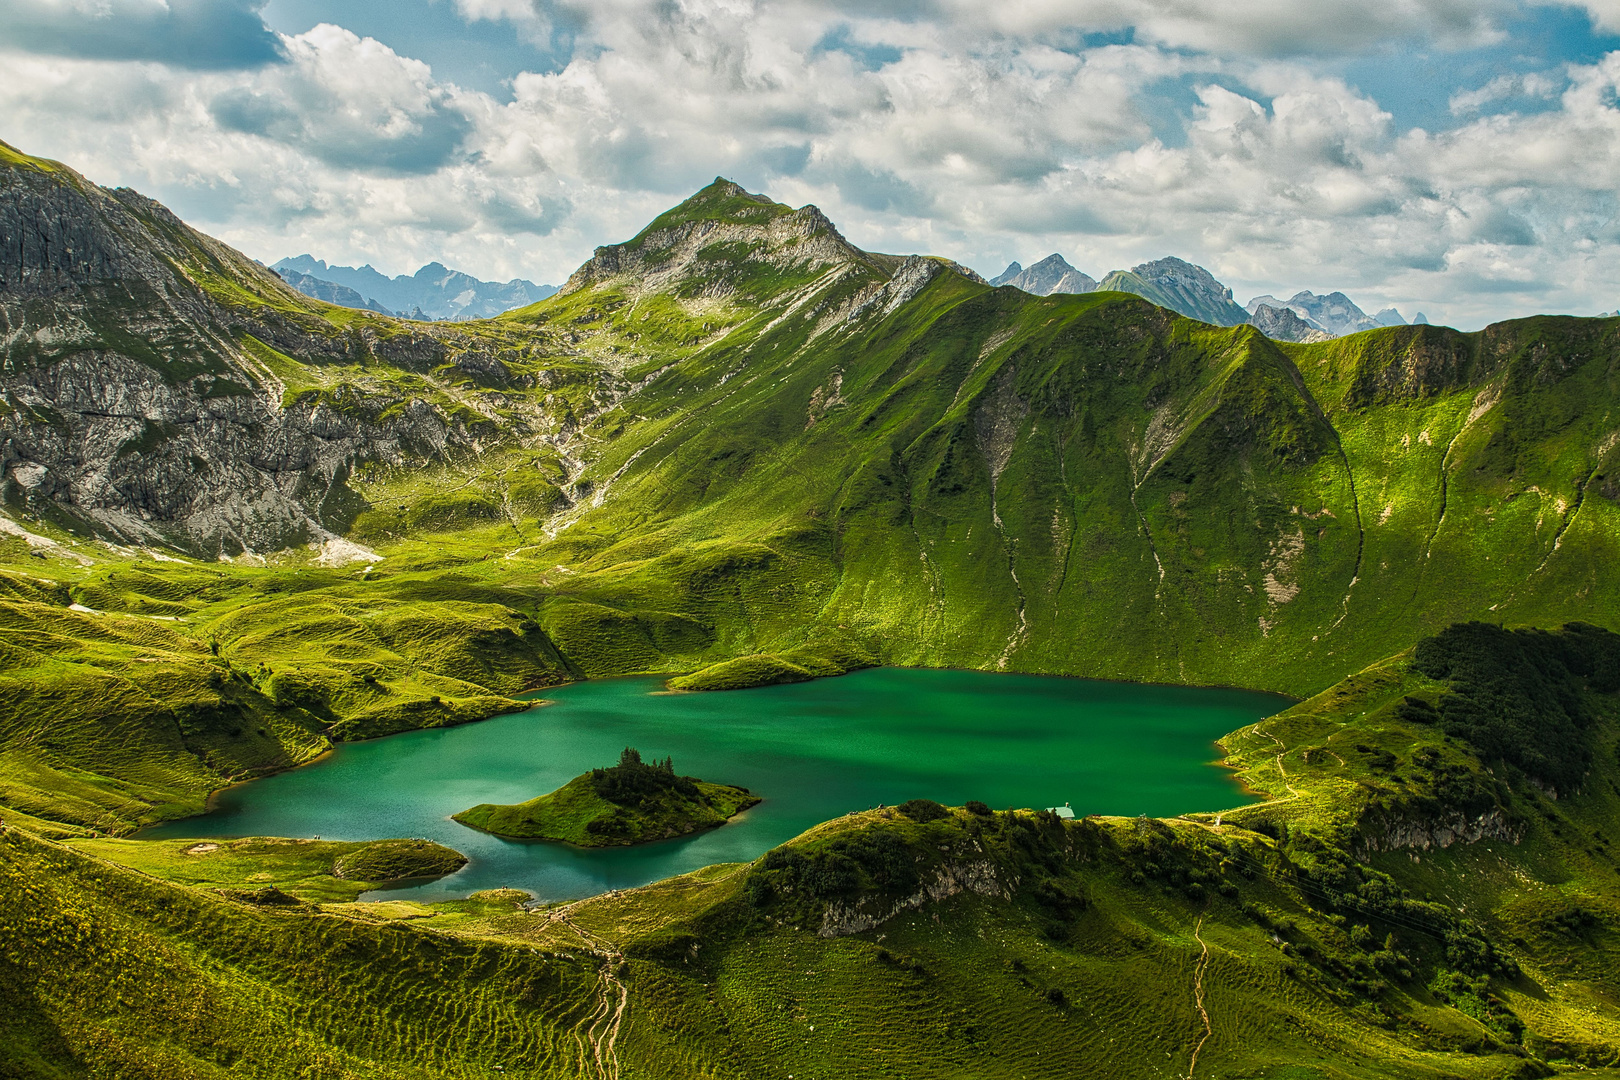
point(1051, 275)
point(1282, 324)
point(1440, 832)
point(138, 405)
point(842, 919)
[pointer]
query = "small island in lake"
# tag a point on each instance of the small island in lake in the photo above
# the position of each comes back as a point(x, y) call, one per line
point(631, 803)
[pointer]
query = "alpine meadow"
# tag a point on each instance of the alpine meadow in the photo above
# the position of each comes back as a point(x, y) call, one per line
point(243, 526)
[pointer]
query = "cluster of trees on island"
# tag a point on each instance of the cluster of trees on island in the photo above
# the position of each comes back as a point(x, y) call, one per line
point(632, 781)
point(636, 785)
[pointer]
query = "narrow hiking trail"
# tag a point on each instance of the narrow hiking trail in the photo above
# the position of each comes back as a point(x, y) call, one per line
point(1282, 748)
point(598, 1034)
point(1198, 996)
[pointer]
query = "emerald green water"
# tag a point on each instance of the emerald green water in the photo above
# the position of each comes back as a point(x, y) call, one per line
point(814, 750)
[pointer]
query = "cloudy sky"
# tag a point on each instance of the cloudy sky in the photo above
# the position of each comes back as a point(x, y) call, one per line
point(1459, 157)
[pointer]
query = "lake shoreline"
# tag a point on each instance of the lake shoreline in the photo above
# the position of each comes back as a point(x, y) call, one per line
point(880, 735)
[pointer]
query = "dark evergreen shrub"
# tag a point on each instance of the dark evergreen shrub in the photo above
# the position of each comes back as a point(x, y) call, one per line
point(922, 810)
point(887, 859)
point(827, 874)
point(1516, 695)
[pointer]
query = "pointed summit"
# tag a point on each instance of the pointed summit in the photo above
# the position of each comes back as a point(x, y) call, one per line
point(722, 201)
point(703, 244)
point(1006, 277)
point(1052, 274)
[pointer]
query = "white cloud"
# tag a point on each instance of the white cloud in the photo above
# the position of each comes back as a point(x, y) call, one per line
point(1605, 13)
point(1534, 84)
point(979, 131)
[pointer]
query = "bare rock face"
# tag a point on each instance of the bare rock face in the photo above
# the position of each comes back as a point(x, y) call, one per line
point(842, 919)
point(1051, 275)
point(1281, 324)
point(1442, 832)
point(1335, 312)
point(132, 403)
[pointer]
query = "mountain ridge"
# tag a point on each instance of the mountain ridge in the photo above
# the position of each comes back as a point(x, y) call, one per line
point(1194, 292)
point(433, 292)
point(739, 446)
point(689, 320)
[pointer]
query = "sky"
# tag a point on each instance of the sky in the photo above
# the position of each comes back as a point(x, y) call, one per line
point(1456, 157)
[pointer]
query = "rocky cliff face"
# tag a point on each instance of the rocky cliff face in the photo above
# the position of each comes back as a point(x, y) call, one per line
point(1180, 286)
point(697, 252)
point(1441, 832)
point(149, 391)
point(842, 919)
point(1052, 274)
point(1281, 324)
point(1336, 313)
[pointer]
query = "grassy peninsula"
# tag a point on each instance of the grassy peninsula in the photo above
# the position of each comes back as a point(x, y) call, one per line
point(631, 803)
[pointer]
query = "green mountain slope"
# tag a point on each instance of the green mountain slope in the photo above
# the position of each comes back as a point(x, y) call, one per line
point(738, 440)
point(1089, 485)
point(240, 525)
point(1405, 904)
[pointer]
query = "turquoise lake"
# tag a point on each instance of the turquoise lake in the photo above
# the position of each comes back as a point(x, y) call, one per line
point(813, 750)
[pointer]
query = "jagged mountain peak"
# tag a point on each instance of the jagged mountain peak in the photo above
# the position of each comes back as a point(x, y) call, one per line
point(1284, 324)
point(434, 292)
point(1180, 286)
point(1014, 268)
point(1334, 313)
point(1050, 275)
point(1173, 270)
point(701, 242)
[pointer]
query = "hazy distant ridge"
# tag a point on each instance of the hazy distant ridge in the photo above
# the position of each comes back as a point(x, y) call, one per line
point(433, 292)
point(1193, 291)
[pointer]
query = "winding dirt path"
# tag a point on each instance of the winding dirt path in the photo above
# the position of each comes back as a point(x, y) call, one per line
point(597, 1036)
point(1282, 748)
point(1198, 996)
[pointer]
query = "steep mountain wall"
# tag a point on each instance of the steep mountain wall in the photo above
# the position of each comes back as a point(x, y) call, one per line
point(738, 434)
point(150, 391)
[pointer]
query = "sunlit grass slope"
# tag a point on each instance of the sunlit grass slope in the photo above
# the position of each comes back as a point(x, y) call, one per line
point(1404, 904)
point(740, 450)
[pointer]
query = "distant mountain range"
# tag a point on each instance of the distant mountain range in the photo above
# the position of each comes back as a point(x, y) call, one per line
point(1051, 275)
point(1193, 291)
point(434, 292)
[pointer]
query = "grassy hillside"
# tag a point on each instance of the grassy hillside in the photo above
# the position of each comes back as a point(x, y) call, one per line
point(1400, 907)
point(327, 871)
point(630, 803)
point(739, 449)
